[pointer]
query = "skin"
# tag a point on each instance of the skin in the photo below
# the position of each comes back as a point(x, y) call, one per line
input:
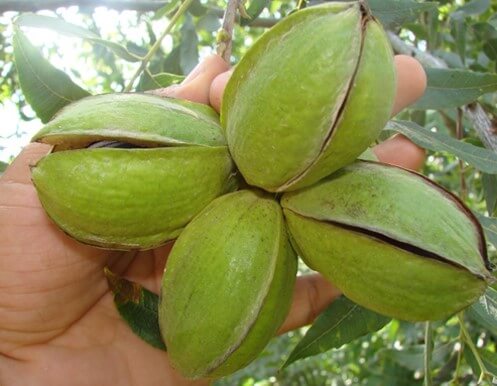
point(57, 318)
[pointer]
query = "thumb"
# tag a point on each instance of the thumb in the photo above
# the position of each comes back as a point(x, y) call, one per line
point(19, 171)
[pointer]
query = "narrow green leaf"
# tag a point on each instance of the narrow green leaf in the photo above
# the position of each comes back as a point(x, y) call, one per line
point(189, 46)
point(481, 158)
point(135, 49)
point(209, 22)
point(484, 31)
point(3, 166)
point(458, 31)
point(165, 79)
point(453, 88)
point(488, 358)
point(254, 10)
point(489, 182)
point(138, 307)
point(68, 29)
point(342, 322)
point(46, 88)
point(171, 64)
point(434, 25)
point(490, 49)
point(151, 34)
point(395, 13)
point(472, 362)
point(489, 225)
point(484, 312)
point(475, 7)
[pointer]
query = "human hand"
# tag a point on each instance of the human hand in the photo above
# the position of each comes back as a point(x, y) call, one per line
point(58, 323)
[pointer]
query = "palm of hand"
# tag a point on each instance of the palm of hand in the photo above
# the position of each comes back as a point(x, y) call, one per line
point(57, 315)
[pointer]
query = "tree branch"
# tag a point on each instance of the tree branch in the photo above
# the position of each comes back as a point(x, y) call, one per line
point(483, 125)
point(479, 118)
point(225, 34)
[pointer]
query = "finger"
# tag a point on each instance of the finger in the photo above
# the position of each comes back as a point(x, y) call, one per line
point(196, 86)
point(400, 151)
point(312, 294)
point(217, 89)
point(19, 171)
point(411, 85)
point(411, 82)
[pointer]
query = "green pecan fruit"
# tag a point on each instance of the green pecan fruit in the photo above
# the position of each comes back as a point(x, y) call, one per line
point(391, 240)
point(227, 286)
point(174, 162)
point(309, 97)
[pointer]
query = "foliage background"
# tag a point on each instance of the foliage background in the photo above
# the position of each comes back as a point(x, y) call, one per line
point(459, 35)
